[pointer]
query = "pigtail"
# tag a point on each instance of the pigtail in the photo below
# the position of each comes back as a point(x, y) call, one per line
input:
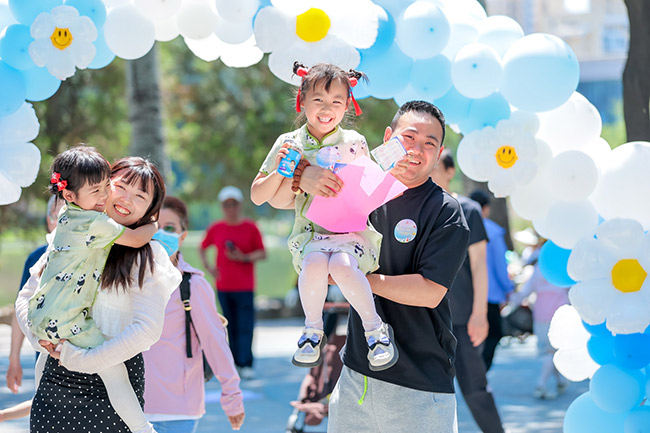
point(300, 70)
point(354, 76)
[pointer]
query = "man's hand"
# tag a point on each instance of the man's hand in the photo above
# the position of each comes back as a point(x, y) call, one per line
point(236, 255)
point(319, 181)
point(14, 376)
point(402, 165)
point(477, 328)
point(236, 421)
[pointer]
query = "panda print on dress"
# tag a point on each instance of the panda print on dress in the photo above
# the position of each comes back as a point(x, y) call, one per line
point(308, 228)
point(52, 331)
point(75, 330)
point(59, 249)
point(321, 237)
point(90, 239)
point(373, 254)
point(80, 282)
point(85, 312)
point(63, 276)
point(294, 246)
point(97, 275)
point(358, 249)
point(63, 220)
point(40, 301)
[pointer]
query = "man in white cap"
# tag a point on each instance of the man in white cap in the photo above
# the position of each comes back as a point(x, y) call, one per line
point(239, 245)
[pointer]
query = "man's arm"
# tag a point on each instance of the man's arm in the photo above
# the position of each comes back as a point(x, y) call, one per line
point(477, 326)
point(208, 267)
point(421, 292)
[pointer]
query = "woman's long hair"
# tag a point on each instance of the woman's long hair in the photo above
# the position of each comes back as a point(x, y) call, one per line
point(121, 259)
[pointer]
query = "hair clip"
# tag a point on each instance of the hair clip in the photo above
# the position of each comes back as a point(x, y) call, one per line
point(56, 179)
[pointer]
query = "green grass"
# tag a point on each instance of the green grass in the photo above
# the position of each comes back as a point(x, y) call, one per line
point(275, 275)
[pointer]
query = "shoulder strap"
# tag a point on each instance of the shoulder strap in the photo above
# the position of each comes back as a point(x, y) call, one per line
point(185, 298)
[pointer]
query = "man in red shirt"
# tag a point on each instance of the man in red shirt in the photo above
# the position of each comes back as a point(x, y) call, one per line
point(239, 245)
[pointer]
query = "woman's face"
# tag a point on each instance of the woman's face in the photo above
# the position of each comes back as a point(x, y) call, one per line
point(169, 221)
point(127, 203)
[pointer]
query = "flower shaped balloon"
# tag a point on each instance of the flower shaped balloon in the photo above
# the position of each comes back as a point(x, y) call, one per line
point(507, 156)
point(612, 274)
point(62, 41)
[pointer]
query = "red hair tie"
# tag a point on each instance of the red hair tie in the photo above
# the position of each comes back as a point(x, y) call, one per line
point(301, 72)
point(357, 109)
point(56, 179)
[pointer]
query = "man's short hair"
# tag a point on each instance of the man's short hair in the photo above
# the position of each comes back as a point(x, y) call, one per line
point(420, 107)
point(447, 160)
point(481, 197)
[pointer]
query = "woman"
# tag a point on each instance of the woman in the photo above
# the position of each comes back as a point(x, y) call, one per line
point(129, 310)
point(175, 390)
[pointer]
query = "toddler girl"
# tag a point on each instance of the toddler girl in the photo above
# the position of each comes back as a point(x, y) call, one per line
point(324, 96)
point(77, 252)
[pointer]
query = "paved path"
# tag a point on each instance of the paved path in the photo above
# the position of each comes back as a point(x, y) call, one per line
point(267, 398)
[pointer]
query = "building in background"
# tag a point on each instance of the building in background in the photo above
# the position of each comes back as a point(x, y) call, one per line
point(596, 30)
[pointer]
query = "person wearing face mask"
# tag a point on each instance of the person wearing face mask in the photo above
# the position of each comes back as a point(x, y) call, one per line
point(175, 392)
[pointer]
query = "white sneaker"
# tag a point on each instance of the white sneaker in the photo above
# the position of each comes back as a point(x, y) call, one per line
point(310, 348)
point(382, 353)
point(247, 373)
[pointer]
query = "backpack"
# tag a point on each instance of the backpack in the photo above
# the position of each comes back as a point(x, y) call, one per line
point(185, 298)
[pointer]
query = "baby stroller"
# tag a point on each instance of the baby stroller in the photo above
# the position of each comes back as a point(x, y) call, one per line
point(311, 408)
point(516, 322)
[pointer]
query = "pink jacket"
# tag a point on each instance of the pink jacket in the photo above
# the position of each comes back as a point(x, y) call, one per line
point(173, 382)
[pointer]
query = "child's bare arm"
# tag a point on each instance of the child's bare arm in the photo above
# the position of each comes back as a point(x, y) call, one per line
point(136, 238)
point(284, 197)
point(264, 186)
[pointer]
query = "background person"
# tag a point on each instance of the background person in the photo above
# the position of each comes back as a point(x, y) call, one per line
point(239, 245)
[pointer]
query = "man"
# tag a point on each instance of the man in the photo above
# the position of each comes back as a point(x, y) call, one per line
point(239, 245)
point(499, 284)
point(424, 242)
point(468, 299)
point(15, 370)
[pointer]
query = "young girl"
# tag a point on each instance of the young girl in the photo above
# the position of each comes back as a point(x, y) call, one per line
point(76, 258)
point(324, 96)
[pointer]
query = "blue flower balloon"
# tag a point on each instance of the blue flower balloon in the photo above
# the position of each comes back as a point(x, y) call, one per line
point(583, 415)
point(26, 11)
point(552, 264)
point(40, 84)
point(12, 89)
point(14, 47)
point(632, 350)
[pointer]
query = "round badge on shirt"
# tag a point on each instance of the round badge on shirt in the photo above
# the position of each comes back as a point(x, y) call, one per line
point(406, 230)
point(327, 157)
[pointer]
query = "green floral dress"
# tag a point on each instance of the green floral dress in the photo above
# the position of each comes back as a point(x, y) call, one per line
point(339, 147)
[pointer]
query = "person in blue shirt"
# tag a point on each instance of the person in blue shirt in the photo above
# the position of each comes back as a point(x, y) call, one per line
point(499, 284)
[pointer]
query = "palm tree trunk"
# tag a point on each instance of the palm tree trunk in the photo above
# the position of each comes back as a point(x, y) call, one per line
point(636, 78)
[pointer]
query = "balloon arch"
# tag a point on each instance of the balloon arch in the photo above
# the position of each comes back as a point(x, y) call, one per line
point(527, 133)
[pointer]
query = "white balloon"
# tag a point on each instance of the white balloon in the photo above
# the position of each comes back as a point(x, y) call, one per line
point(476, 70)
point(166, 30)
point(624, 185)
point(499, 32)
point(273, 29)
point(241, 55)
point(9, 191)
point(208, 49)
point(196, 20)
point(128, 33)
point(623, 237)
point(20, 126)
point(239, 10)
point(568, 222)
point(568, 335)
point(20, 162)
point(532, 201)
point(572, 175)
point(589, 260)
point(233, 32)
point(158, 10)
point(599, 150)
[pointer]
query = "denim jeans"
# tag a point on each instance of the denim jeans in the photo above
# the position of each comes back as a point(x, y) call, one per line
point(239, 310)
point(178, 426)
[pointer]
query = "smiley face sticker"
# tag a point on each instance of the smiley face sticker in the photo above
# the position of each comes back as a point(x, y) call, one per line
point(506, 156)
point(405, 231)
point(61, 38)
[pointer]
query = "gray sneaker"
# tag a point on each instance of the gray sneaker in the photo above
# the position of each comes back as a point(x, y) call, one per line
point(382, 353)
point(310, 348)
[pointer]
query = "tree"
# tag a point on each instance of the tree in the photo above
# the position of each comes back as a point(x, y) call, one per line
point(636, 78)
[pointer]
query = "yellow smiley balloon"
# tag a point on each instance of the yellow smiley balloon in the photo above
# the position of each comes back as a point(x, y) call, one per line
point(61, 38)
point(506, 156)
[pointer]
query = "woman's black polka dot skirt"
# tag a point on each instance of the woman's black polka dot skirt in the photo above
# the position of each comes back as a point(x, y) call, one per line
point(70, 402)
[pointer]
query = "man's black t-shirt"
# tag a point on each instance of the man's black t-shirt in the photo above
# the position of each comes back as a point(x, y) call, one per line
point(424, 232)
point(461, 295)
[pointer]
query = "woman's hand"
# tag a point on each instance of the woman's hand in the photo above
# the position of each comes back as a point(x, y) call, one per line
point(53, 349)
point(236, 421)
point(319, 181)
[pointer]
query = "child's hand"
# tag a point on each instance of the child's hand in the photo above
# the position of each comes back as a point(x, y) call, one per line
point(402, 165)
point(284, 151)
point(236, 421)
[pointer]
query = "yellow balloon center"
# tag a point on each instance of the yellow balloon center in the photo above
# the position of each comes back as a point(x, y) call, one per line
point(313, 25)
point(506, 156)
point(61, 38)
point(628, 275)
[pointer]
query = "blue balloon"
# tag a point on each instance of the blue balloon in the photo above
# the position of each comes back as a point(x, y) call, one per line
point(599, 330)
point(407, 95)
point(26, 11)
point(638, 420)
point(583, 415)
point(601, 349)
point(632, 350)
point(485, 112)
point(454, 106)
point(14, 47)
point(385, 35)
point(103, 55)
point(431, 77)
point(93, 9)
point(12, 89)
point(422, 30)
point(388, 73)
point(617, 390)
point(40, 84)
point(552, 264)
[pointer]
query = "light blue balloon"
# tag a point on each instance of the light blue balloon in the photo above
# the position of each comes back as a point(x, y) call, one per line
point(103, 55)
point(583, 415)
point(485, 112)
point(407, 95)
point(93, 9)
point(385, 34)
point(540, 72)
point(422, 30)
point(476, 70)
point(12, 89)
point(632, 350)
point(454, 106)
point(431, 77)
point(638, 420)
point(599, 330)
point(617, 390)
point(601, 349)
point(14, 47)
point(360, 91)
point(552, 264)
point(26, 11)
point(388, 73)
point(40, 84)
